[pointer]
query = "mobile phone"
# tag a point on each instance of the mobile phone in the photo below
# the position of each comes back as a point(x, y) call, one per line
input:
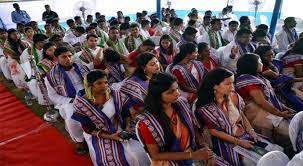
point(261, 144)
point(125, 135)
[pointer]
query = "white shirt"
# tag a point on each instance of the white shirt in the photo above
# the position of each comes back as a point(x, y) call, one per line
point(144, 33)
point(58, 99)
point(72, 39)
point(24, 57)
point(229, 36)
point(282, 41)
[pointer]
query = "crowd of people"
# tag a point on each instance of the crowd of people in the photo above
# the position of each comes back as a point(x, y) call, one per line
point(164, 92)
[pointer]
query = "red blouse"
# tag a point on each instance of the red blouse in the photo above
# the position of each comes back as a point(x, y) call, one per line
point(244, 92)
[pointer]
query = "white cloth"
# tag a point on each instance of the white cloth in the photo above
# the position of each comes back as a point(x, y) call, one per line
point(91, 64)
point(203, 29)
point(296, 124)
point(17, 73)
point(229, 36)
point(297, 160)
point(116, 48)
point(275, 158)
point(72, 39)
point(282, 41)
point(228, 62)
point(205, 38)
point(24, 57)
point(4, 67)
point(66, 109)
point(138, 41)
point(144, 33)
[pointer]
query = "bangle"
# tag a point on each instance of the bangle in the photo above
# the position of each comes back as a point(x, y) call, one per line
point(190, 155)
point(98, 134)
point(236, 141)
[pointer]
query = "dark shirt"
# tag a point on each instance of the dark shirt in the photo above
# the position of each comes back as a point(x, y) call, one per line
point(48, 16)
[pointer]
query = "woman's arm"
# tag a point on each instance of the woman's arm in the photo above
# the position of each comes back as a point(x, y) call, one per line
point(155, 154)
point(260, 100)
point(231, 139)
point(269, 74)
point(299, 70)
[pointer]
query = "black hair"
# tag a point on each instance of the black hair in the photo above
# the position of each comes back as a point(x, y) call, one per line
point(170, 50)
point(127, 18)
point(19, 24)
point(91, 16)
point(263, 27)
point(91, 35)
point(124, 26)
point(94, 24)
point(190, 31)
point(242, 32)
point(158, 84)
point(54, 38)
point(206, 93)
point(248, 64)
point(154, 22)
point(89, 28)
point(114, 22)
point(111, 56)
point(113, 28)
point(192, 22)
point(45, 47)
point(142, 61)
point(243, 19)
point(202, 46)
point(77, 18)
point(261, 51)
point(233, 23)
point(15, 44)
point(144, 23)
point(80, 29)
point(69, 22)
point(60, 50)
point(138, 14)
point(3, 30)
point(258, 33)
point(28, 28)
point(214, 21)
point(94, 75)
point(185, 49)
point(148, 42)
point(47, 25)
point(177, 21)
point(39, 38)
point(134, 25)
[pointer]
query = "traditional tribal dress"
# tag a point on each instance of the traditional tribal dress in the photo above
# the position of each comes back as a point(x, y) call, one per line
point(116, 73)
point(190, 77)
point(151, 132)
point(107, 118)
point(230, 122)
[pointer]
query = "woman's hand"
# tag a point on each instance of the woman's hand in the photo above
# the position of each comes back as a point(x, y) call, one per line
point(202, 154)
point(254, 135)
point(286, 114)
point(246, 143)
point(116, 137)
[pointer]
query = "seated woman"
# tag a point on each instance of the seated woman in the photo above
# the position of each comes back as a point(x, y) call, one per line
point(263, 109)
point(166, 128)
point(135, 87)
point(282, 84)
point(209, 60)
point(296, 132)
point(98, 109)
point(48, 60)
point(293, 60)
point(166, 51)
point(189, 71)
point(116, 70)
point(220, 108)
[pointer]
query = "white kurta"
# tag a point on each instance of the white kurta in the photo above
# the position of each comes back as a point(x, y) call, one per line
point(72, 39)
point(228, 62)
point(229, 36)
point(116, 48)
point(66, 109)
point(24, 57)
point(282, 41)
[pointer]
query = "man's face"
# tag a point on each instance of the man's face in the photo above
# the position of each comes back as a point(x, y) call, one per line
point(134, 31)
point(89, 19)
point(3, 35)
point(16, 6)
point(114, 34)
point(92, 42)
point(217, 26)
point(245, 38)
point(65, 59)
point(47, 8)
point(233, 27)
point(48, 28)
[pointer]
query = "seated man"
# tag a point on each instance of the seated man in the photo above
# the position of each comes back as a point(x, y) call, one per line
point(76, 39)
point(134, 39)
point(89, 55)
point(63, 82)
point(235, 49)
point(288, 35)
